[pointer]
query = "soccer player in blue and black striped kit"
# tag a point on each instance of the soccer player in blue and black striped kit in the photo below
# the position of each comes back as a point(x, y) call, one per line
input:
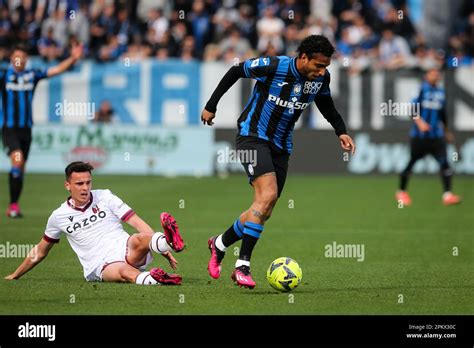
point(17, 85)
point(285, 87)
point(428, 136)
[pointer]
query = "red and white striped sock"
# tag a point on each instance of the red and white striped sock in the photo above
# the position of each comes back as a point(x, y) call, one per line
point(145, 278)
point(158, 243)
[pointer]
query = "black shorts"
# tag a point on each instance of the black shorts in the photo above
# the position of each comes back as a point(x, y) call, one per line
point(259, 156)
point(16, 139)
point(429, 146)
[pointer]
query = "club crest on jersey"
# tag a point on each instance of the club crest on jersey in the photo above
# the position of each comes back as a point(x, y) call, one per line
point(95, 209)
point(297, 89)
point(312, 87)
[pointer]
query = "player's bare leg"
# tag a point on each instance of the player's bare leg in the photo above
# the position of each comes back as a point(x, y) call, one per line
point(140, 246)
point(266, 196)
point(123, 272)
point(15, 182)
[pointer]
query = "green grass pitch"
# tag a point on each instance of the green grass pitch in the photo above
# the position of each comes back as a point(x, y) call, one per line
point(408, 251)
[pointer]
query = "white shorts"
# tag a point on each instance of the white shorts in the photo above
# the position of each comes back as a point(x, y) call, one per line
point(117, 252)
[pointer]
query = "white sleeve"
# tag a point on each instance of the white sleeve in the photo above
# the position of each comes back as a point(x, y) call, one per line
point(118, 207)
point(52, 234)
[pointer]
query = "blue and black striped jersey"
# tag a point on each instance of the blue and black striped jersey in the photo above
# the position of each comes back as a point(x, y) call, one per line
point(279, 97)
point(17, 90)
point(432, 104)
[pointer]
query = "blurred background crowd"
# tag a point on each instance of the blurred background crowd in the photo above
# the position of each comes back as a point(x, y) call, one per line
point(368, 34)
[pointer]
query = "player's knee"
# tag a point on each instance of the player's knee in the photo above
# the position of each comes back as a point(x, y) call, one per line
point(16, 172)
point(140, 240)
point(444, 165)
point(126, 275)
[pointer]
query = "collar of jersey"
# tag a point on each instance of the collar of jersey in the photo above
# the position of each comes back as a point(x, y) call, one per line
point(83, 209)
point(12, 70)
point(294, 70)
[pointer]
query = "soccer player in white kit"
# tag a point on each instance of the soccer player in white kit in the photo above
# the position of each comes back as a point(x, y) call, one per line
point(92, 222)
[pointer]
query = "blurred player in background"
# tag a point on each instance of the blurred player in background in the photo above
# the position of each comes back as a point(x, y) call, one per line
point(92, 222)
point(17, 85)
point(429, 135)
point(285, 87)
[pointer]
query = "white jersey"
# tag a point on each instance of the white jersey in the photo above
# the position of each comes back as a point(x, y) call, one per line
point(92, 229)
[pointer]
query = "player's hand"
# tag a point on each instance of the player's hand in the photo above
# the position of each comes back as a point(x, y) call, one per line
point(347, 143)
point(449, 137)
point(207, 117)
point(422, 125)
point(77, 50)
point(173, 263)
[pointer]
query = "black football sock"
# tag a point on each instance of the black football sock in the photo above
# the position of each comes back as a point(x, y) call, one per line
point(233, 234)
point(15, 181)
point(446, 178)
point(405, 175)
point(251, 235)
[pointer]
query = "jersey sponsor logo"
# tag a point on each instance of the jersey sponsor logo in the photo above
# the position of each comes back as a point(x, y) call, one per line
point(312, 87)
point(293, 104)
point(86, 222)
point(19, 87)
point(431, 104)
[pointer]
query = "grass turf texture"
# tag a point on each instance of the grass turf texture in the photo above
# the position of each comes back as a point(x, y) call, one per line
point(408, 251)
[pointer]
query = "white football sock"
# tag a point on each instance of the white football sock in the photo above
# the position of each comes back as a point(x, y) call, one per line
point(219, 244)
point(240, 262)
point(145, 278)
point(446, 194)
point(158, 243)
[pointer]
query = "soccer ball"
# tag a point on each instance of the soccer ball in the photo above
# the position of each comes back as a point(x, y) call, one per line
point(284, 274)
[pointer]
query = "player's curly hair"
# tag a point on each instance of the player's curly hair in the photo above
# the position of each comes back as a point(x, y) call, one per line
point(20, 47)
point(78, 167)
point(315, 44)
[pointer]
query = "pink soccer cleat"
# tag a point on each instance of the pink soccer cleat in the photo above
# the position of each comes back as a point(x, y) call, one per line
point(165, 278)
point(171, 231)
point(451, 199)
point(242, 277)
point(214, 265)
point(13, 211)
point(403, 197)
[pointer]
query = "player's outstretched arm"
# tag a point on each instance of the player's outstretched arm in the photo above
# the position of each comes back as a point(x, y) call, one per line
point(325, 104)
point(139, 225)
point(229, 79)
point(76, 54)
point(35, 256)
